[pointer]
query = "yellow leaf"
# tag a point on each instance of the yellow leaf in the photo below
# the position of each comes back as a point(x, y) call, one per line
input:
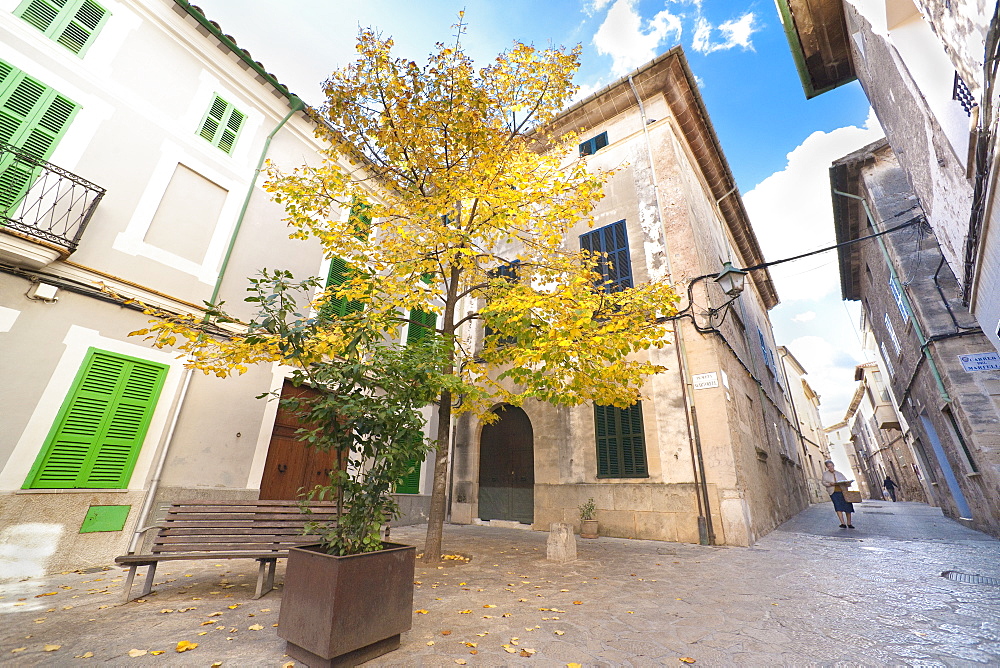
point(233, 607)
point(574, 665)
point(420, 612)
point(560, 633)
point(51, 593)
point(469, 644)
point(430, 643)
point(446, 632)
point(51, 648)
point(256, 627)
point(461, 662)
point(577, 602)
point(157, 652)
point(184, 646)
point(216, 664)
point(18, 649)
point(203, 633)
point(686, 659)
point(166, 610)
point(85, 655)
point(135, 653)
point(489, 605)
point(465, 612)
point(527, 652)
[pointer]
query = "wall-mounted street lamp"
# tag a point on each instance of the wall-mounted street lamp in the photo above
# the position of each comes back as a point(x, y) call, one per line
point(731, 279)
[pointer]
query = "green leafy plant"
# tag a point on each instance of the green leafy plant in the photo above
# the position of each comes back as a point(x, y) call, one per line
point(588, 509)
point(370, 390)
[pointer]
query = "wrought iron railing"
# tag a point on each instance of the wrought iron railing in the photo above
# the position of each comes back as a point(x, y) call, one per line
point(42, 201)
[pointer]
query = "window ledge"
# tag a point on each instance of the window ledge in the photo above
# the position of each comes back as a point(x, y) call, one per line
point(974, 474)
point(82, 490)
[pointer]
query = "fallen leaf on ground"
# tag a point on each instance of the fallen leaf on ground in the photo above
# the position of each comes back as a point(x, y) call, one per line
point(216, 664)
point(469, 644)
point(564, 590)
point(420, 612)
point(465, 612)
point(577, 602)
point(508, 649)
point(256, 627)
point(214, 614)
point(51, 648)
point(166, 610)
point(203, 633)
point(527, 652)
point(233, 607)
point(560, 633)
point(136, 653)
point(207, 623)
point(18, 649)
point(430, 643)
point(489, 605)
point(51, 593)
point(265, 609)
point(184, 646)
point(574, 665)
point(506, 614)
point(446, 632)
point(158, 652)
point(686, 659)
point(461, 662)
point(85, 655)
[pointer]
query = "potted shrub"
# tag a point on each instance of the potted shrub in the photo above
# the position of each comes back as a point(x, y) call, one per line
point(588, 524)
point(348, 598)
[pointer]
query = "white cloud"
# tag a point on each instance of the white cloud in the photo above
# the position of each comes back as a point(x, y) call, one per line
point(791, 211)
point(630, 44)
point(735, 33)
point(830, 372)
point(591, 7)
point(804, 317)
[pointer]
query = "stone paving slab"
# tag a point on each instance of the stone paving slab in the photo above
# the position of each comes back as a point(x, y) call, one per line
point(809, 593)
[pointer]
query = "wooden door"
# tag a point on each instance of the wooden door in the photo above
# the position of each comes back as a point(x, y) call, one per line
point(292, 467)
point(507, 468)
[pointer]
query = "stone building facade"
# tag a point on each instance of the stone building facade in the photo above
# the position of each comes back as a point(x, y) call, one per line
point(710, 454)
point(812, 437)
point(940, 370)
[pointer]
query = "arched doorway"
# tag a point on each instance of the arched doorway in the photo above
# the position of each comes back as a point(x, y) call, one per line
point(507, 468)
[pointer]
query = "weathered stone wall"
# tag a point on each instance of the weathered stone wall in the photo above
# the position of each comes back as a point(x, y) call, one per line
point(933, 388)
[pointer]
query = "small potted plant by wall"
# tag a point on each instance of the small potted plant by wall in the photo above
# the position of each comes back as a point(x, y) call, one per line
point(588, 524)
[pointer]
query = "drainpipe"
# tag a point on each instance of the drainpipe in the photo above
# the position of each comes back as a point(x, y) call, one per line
point(706, 533)
point(154, 484)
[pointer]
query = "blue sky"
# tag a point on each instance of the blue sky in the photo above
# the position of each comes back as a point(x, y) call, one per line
point(779, 145)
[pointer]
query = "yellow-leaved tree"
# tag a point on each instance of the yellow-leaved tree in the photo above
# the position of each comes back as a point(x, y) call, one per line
point(445, 204)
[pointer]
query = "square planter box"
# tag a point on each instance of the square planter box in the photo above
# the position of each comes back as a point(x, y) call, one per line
point(342, 611)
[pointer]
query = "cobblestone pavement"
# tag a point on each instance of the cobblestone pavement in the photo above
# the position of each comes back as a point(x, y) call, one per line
point(809, 593)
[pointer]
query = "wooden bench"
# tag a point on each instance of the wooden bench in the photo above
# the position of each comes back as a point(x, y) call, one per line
point(261, 530)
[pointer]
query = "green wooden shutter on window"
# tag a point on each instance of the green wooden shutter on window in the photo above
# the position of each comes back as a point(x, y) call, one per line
point(97, 435)
point(222, 124)
point(34, 118)
point(422, 324)
point(72, 23)
point(410, 484)
point(621, 442)
point(338, 307)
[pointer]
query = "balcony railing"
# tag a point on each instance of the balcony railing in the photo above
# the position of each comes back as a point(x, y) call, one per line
point(41, 201)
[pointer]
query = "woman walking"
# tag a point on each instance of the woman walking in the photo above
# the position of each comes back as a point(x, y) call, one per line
point(836, 484)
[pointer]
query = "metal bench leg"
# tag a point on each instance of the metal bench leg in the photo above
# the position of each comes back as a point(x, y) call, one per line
point(148, 587)
point(128, 584)
point(265, 581)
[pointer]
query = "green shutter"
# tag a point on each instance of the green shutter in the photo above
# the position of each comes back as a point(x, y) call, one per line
point(222, 124)
point(33, 117)
point(338, 306)
point(72, 23)
point(422, 324)
point(410, 484)
point(621, 442)
point(100, 428)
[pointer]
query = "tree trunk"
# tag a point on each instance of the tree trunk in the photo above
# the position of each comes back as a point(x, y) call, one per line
point(435, 521)
point(439, 492)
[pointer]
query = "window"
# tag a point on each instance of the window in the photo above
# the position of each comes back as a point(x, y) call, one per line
point(221, 125)
point(422, 325)
point(33, 117)
point(509, 273)
point(410, 484)
point(594, 144)
point(897, 295)
point(766, 353)
point(72, 23)
point(621, 443)
point(97, 435)
point(892, 334)
point(616, 266)
point(885, 358)
point(339, 274)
